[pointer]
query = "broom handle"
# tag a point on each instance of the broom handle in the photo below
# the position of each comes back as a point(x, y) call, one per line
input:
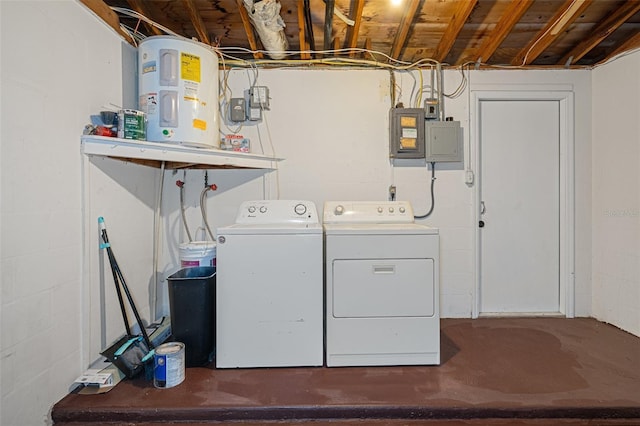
point(115, 280)
point(117, 273)
point(133, 307)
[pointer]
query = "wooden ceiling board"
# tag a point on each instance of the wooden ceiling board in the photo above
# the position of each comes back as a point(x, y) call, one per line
point(435, 29)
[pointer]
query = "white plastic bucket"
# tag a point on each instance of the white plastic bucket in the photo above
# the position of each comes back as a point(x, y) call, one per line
point(198, 253)
point(178, 90)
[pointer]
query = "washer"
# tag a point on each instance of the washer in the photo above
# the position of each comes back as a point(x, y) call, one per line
point(382, 285)
point(269, 290)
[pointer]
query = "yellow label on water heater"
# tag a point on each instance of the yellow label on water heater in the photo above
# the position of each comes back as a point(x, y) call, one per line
point(199, 124)
point(190, 67)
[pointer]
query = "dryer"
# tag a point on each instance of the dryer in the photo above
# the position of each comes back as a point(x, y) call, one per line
point(269, 289)
point(382, 285)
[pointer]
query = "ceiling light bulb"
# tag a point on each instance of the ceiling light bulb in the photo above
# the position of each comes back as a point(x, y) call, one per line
point(396, 2)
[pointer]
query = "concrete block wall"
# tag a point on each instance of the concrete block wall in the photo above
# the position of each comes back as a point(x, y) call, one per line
point(616, 193)
point(59, 65)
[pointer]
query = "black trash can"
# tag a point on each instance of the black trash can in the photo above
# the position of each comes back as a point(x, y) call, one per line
point(192, 303)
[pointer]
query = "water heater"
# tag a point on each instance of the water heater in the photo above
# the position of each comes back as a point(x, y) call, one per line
point(178, 89)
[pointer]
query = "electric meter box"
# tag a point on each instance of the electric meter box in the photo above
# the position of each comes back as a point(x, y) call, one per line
point(443, 141)
point(406, 133)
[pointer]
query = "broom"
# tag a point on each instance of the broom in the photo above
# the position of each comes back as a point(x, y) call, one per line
point(130, 352)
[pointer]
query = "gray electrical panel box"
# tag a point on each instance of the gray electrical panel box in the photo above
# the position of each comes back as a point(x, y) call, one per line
point(238, 110)
point(443, 141)
point(431, 109)
point(259, 97)
point(406, 133)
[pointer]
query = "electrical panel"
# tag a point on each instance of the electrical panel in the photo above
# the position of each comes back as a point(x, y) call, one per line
point(406, 133)
point(443, 141)
point(259, 97)
point(431, 109)
point(238, 109)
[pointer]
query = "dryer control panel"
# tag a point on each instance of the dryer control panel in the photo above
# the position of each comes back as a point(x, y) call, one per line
point(368, 212)
point(261, 212)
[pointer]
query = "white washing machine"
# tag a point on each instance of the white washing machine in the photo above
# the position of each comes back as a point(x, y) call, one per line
point(269, 289)
point(382, 285)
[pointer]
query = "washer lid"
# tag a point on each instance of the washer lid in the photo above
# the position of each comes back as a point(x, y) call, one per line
point(378, 229)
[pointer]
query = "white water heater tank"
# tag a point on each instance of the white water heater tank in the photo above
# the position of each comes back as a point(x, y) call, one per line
point(178, 87)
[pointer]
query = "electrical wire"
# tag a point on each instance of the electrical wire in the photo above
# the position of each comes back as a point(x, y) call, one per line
point(461, 87)
point(392, 88)
point(419, 97)
point(433, 199)
point(140, 16)
point(550, 27)
point(618, 56)
point(388, 62)
point(432, 83)
point(412, 95)
point(440, 90)
point(273, 154)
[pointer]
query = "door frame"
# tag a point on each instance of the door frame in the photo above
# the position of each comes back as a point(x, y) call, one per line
point(567, 187)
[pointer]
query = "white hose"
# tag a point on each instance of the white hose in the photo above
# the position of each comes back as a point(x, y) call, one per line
point(203, 210)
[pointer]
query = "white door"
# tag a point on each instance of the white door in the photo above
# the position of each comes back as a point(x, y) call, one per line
point(519, 149)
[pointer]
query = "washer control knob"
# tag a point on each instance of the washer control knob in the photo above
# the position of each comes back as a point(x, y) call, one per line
point(300, 209)
point(263, 209)
point(251, 209)
point(390, 209)
point(380, 209)
point(338, 210)
point(401, 209)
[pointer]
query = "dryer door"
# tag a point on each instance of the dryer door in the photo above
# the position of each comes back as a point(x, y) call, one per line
point(367, 288)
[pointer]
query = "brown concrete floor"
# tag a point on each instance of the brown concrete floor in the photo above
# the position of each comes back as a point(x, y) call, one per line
point(520, 371)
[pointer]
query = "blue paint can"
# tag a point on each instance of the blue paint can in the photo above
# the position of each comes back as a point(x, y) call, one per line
point(168, 365)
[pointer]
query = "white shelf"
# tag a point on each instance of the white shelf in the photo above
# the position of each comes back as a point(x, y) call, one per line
point(174, 156)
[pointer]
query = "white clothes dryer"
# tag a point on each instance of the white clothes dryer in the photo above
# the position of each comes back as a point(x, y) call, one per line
point(269, 289)
point(382, 285)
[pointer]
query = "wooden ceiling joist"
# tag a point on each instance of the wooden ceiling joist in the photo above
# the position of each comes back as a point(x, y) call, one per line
point(460, 16)
point(105, 13)
point(367, 46)
point(562, 19)
point(404, 28)
point(197, 21)
point(601, 31)
point(353, 31)
point(557, 33)
point(509, 19)
point(301, 31)
point(336, 45)
point(248, 29)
